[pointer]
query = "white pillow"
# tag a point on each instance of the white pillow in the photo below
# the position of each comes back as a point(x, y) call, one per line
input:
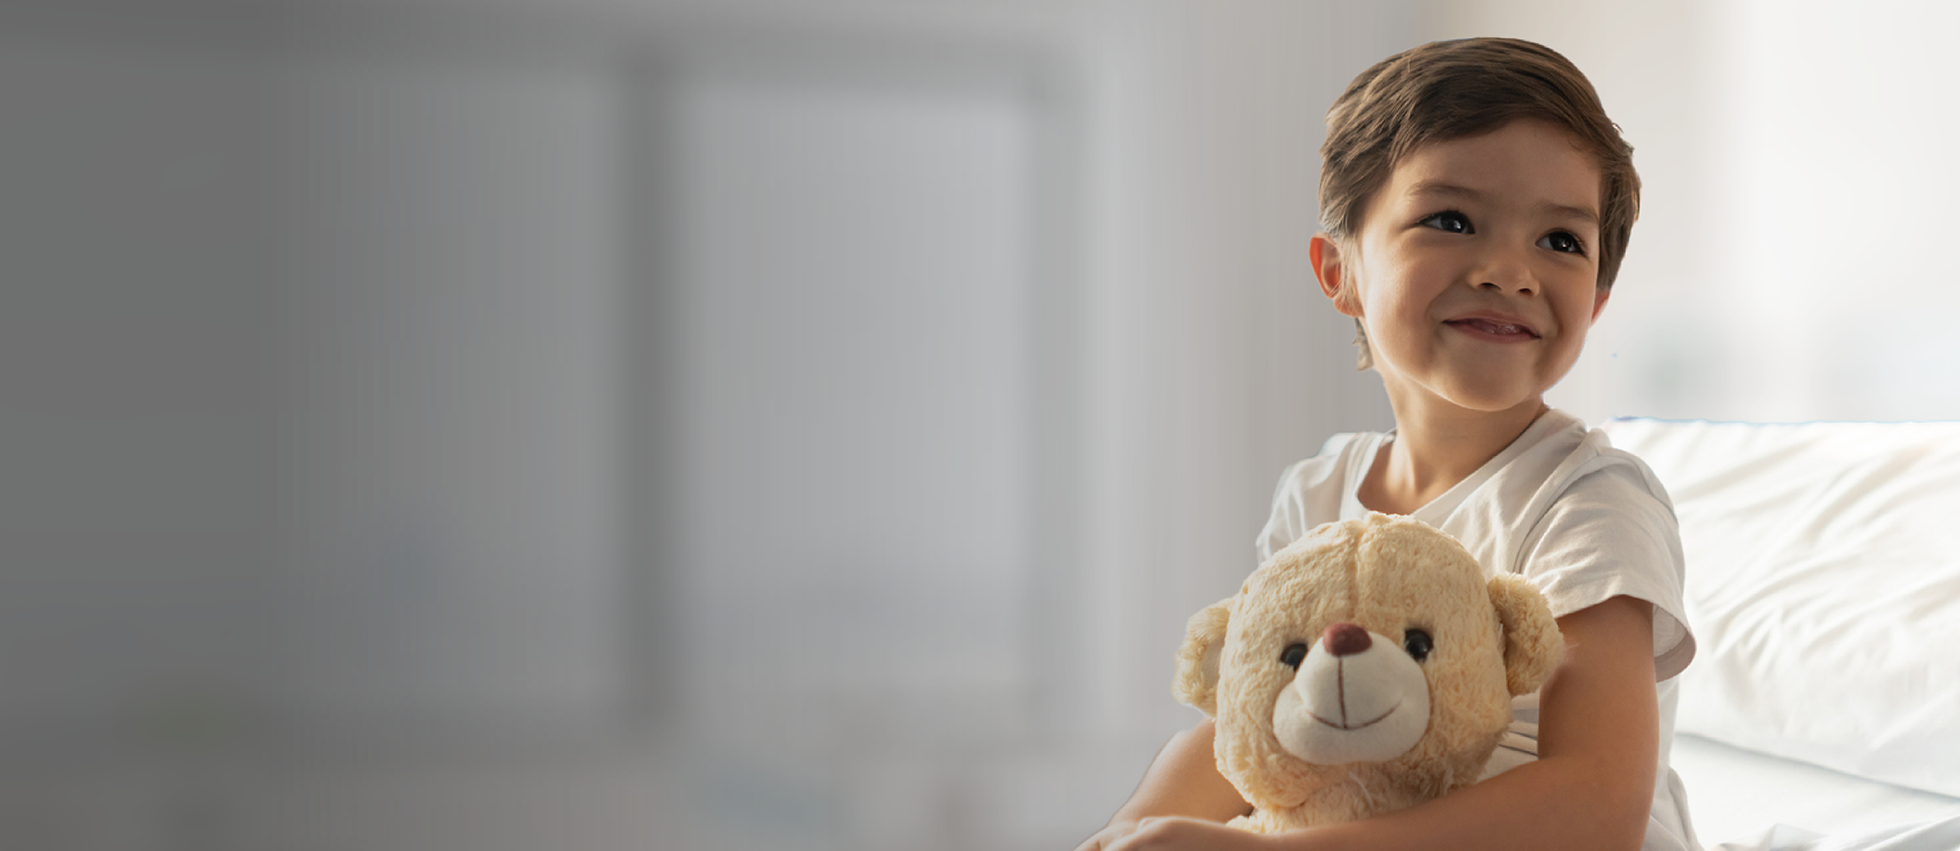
point(1823, 589)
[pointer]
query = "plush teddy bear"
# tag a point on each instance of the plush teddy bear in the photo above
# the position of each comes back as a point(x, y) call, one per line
point(1368, 667)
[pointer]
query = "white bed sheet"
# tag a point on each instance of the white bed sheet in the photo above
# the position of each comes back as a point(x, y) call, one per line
point(1741, 800)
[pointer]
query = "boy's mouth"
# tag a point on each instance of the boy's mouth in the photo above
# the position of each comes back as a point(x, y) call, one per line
point(1496, 328)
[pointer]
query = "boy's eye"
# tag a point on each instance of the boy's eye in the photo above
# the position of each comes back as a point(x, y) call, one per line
point(1450, 221)
point(1563, 242)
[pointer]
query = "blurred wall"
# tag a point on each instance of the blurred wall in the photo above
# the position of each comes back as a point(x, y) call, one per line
point(140, 368)
point(705, 425)
point(715, 425)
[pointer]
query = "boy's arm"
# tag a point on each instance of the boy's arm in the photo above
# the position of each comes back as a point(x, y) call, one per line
point(1182, 781)
point(1591, 787)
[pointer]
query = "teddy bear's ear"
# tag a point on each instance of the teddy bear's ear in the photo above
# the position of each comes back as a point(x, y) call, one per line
point(1198, 660)
point(1533, 645)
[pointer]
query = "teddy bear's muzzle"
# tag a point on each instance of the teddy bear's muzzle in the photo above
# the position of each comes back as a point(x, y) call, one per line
point(1356, 698)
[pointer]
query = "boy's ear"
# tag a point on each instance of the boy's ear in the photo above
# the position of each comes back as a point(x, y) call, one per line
point(1599, 300)
point(1330, 268)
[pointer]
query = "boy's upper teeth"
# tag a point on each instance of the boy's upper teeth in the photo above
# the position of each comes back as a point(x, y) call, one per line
point(1497, 327)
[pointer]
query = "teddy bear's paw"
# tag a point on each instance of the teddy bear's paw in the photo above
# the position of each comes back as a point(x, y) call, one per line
point(1250, 824)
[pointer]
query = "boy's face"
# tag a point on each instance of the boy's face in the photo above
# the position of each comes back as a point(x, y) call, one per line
point(1475, 268)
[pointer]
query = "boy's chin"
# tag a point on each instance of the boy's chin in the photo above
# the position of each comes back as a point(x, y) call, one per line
point(1496, 392)
point(1496, 401)
point(1468, 395)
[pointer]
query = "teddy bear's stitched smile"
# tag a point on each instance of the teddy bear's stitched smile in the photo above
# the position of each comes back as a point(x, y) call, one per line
point(1362, 725)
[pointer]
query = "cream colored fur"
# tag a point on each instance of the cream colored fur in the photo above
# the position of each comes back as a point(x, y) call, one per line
point(1494, 638)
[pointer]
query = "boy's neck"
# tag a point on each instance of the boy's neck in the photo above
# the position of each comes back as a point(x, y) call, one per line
point(1434, 450)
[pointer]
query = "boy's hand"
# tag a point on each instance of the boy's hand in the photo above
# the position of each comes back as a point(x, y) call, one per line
point(1173, 834)
point(1105, 838)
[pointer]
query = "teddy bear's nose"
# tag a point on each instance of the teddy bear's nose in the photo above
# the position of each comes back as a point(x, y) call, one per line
point(1345, 639)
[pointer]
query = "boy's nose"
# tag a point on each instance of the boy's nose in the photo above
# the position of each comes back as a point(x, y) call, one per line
point(1508, 280)
point(1519, 285)
point(1506, 272)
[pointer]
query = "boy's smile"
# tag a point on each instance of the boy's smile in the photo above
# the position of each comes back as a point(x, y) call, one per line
point(1475, 269)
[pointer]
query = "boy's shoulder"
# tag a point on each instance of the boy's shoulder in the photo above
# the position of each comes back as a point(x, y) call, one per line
point(1564, 453)
point(1567, 480)
point(1329, 466)
point(1594, 463)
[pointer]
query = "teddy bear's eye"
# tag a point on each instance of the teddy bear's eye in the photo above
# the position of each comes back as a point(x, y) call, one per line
point(1418, 643)
point(1292, 655)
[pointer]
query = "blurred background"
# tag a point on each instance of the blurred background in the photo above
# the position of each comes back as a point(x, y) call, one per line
point(725, 424)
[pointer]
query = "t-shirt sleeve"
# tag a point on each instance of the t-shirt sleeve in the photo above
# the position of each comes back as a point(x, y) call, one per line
point(1279, 530)
point(1308, 494)
point(1609, 535)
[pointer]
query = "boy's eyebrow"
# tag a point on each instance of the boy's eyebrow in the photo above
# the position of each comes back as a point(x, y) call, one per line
point(1437, 187)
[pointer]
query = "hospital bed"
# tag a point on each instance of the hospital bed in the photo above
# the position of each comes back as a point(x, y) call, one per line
point(1822, 710)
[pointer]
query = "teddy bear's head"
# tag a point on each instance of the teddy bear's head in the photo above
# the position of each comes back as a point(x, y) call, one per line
point(1366, 667)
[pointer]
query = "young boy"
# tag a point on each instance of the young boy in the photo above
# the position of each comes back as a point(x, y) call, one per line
point(1477, 203)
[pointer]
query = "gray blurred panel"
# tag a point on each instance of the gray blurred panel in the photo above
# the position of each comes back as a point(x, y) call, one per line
point(858, 412)
point(454, 552)
point(139, 226)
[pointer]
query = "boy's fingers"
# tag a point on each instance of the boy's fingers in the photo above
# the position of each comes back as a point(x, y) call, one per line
point(1148, 833)
point(1105, 839)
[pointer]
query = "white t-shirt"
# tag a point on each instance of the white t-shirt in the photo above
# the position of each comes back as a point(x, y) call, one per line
point(1583, 521)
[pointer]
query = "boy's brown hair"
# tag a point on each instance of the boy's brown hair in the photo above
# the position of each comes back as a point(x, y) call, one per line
point(1456, 89)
